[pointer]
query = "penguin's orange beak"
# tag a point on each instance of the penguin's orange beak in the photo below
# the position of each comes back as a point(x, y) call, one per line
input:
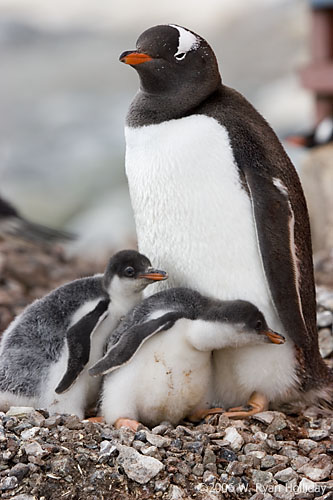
point(296, 140)
point(154, 275)
point(274, 337)
point(133, 58)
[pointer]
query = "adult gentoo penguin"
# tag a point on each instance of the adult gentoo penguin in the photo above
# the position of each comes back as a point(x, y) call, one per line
point(175, 332)
point(13, 224)
point(47, 347)
point(232, 218)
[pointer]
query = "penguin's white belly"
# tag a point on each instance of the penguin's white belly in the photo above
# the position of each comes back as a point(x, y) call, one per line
point(166, 380)
point(194, 219)
point(192, 215)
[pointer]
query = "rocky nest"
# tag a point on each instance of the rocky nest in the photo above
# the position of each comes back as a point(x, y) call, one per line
point(270, 455)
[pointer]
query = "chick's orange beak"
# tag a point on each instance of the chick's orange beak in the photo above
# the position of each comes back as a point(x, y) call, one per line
point(133, 58)
point(274, 337)
point(154, 275)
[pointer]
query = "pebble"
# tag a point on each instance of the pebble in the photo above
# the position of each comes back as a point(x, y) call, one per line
point(266, 417)
point(234, 438)
point(151, 451)
point(9, 483)
point(107, 449)
point(307, 445)
point(227, 455)
point(24, 497)
point(198, 470)
point(34, 449)
point(318, 434)
point(19, 471)
point(19, 411)
point(175, 493)
point(209, 457)
point(257, 454)
point(289, 451)
point(298, 462)
point(325, 342)
point(30, 433)
point(249, 447)
point(53, 421)
point(306, 486)
point(235, 468)
point(158, 441)
point(138, 467)
point(162, 485)
point(283, 493)
point(262, 477)
point(286, 475)
point(267, 462)
point(318, 468)
point(277, 424)
point(324, 318)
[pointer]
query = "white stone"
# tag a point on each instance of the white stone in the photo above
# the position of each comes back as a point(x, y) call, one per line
point(266, 417)
point(16, 411)
point(324, 318)
point(136, 466)
point(234, 438)
point(318, 468)
point(175, 493)
point(30, 433)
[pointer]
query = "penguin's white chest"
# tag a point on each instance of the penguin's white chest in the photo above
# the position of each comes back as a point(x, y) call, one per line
point(192, 214)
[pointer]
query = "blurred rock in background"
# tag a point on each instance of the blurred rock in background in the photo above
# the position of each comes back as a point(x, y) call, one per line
point(317, 180)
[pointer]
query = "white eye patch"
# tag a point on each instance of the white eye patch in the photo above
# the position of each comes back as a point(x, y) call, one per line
point(186, 42)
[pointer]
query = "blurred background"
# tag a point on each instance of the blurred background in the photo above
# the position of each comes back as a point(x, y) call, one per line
point(64, 97)
point(63, 101)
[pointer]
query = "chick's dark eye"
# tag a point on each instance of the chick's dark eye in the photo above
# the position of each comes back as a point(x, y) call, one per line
point(129, 272)
point(259, 325)
point(180, 56)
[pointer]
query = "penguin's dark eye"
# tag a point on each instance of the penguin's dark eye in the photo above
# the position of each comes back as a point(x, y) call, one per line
point(259, 325)
point(180, 56)
point(129, 272)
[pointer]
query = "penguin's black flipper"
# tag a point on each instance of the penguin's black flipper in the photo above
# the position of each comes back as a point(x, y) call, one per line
point(274, 221)
point(130, 342)
point(78, 341)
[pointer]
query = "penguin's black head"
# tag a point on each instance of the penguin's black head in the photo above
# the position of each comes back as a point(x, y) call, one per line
point(251, 324)
point(129, 272)
point(174, 60)
point(255, 324)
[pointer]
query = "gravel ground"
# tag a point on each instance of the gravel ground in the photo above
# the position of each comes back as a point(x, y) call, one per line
point(271, 455)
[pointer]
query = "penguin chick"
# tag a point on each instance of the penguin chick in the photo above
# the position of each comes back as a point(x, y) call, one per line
point(158, 365)
point(42, 342)
point(13, 224)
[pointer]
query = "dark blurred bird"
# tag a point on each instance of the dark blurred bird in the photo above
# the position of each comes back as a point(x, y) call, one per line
point(13, 224)
point(322, 134)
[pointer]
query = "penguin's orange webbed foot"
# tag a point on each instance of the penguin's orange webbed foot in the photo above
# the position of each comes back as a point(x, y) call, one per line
point(203, 413)
point(257, 403)
point(98, 420)
point(127, 422)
